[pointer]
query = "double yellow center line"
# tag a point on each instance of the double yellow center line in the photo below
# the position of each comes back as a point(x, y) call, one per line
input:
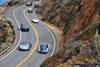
point(36, 44)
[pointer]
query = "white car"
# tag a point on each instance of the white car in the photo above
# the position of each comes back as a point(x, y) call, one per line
point(30, 10)
point(35, 20)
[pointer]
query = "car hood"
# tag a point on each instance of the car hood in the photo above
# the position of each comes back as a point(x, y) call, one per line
point(43, 49)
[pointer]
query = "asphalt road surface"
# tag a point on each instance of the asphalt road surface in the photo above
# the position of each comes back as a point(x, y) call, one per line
point(38, 34)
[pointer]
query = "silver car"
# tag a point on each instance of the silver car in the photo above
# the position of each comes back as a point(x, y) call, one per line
point(24, 46)
point(43, 48)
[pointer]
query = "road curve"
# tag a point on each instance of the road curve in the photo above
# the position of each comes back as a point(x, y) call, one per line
point(17, 36)
point(34, 59)
point(44, 36)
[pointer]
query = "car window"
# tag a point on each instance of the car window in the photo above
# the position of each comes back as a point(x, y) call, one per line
point(24, 25)
point(41, 47)
point(24, 43)
point(46, 46)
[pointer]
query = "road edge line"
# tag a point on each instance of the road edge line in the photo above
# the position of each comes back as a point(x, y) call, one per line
point(17, 43)
point(50, 33)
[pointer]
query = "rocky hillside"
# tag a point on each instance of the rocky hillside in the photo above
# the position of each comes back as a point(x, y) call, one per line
point(78, 19)
point(71, 16)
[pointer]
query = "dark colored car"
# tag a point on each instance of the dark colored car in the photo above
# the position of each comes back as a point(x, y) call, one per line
point(24, 46)
point(24, 27)
point(43, 48)
point(36, 6)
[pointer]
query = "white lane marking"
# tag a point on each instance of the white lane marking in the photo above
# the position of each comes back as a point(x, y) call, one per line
point(50, 33)
point(19, 39)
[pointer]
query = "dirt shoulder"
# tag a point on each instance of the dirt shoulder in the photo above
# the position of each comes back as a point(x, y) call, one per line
point(58, 34)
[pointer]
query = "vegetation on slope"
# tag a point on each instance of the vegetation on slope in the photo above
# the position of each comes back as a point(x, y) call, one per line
point(73, 17)
point(6, 33)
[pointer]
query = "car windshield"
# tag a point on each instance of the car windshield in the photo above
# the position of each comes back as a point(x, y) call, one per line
point(43, 47)
point(35, 20)
point(23, 25)
point(24, 43)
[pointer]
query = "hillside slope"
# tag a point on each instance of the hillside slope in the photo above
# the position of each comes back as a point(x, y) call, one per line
point(76, 18)
point(68, 15)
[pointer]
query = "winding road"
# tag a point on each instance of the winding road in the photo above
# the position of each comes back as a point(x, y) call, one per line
point(38, 33)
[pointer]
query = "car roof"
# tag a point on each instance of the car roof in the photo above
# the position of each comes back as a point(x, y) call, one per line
point(24, 25)
point(36, 20)
point(24, 43)
point(43, 46)
point(30, 8)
